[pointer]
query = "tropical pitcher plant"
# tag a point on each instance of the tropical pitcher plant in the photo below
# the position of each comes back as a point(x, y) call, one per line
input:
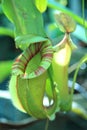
point(40, 72)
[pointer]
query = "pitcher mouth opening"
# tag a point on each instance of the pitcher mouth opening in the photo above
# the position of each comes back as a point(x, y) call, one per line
point(45, 57)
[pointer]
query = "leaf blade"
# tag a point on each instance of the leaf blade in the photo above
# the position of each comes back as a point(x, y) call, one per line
point(41, 5)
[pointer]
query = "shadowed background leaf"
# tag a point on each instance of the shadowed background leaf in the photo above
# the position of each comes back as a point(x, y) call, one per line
point(5, 69)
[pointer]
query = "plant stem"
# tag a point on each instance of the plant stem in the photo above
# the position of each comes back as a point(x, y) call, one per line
point(83, 15)
point(84, 59)
point(47, 124)
point(7, 32)
point(73, 67)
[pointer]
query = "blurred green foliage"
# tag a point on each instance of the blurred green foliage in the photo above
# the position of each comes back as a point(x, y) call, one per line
point(5, 69)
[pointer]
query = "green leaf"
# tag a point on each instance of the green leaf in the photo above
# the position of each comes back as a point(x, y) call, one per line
point(25, 16)
point(6, 31)
point(41, 5)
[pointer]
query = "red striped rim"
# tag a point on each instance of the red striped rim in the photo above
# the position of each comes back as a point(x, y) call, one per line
point(20, 64)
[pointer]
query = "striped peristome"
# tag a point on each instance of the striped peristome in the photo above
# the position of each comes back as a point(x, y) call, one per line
point(21, 62)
